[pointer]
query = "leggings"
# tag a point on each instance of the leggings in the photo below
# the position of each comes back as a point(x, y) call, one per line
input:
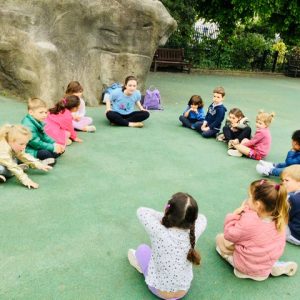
point(44, 154)
point(240, 134)
point(82, 123)
point(123, 120)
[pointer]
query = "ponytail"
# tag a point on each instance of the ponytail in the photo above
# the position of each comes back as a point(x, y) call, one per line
point(68, 102)
point(193, 255)
point(281, 212)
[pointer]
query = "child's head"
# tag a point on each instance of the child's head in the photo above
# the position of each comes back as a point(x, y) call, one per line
point(235, 115)
point(268, 197)
point(219, 94)
point(196, 100)
point(264, 119)
point(71, 103)
point(130, 84)
point(291, 178)
point(37, 108)
point(296, 140)
point(74, 88)
point(182, 212)
point(17, 136)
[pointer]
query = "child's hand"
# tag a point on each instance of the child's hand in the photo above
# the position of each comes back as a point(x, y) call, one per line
point(240, 209)
point(45, 168)
point(76, 118)
point(235, 142)
point(78, 140)
point(31, 184)
point(58, 148)
point(205, 128)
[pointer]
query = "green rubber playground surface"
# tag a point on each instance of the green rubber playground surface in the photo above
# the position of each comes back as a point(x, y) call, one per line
point(69, 238)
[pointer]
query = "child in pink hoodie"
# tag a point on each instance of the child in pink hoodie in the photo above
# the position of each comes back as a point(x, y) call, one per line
point(260, 145)
point(59, 121)
point(254, 234)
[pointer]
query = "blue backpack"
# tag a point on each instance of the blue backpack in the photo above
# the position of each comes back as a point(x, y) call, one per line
point(152, 99)
point(109, 90)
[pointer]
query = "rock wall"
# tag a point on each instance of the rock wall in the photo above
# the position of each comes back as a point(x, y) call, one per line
point(46, 44)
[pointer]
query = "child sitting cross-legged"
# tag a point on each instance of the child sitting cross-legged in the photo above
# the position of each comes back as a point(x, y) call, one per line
point(13, 141)
point(254, 234)
point(266, 168)
point(40, 145)
point(291, 180)
point(167, 265)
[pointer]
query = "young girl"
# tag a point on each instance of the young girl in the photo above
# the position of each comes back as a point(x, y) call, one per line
point(236, 128)
point(193, 113)
point(167, 265)
point(121, 102)
point(80, 121)
point(13, 141)
point(260, 144)
point(254, 234)
point(59, 124)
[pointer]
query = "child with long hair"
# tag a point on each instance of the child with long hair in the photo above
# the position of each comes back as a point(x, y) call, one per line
point(13, 141)
point(193, 113)
point(80, 120)
point(59, 124)
point(254, 234)
point(167, 265)
point(260, 145)
point(236, 128)
point(121, 102)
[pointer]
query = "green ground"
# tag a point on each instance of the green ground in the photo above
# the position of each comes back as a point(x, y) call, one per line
point(69, 238)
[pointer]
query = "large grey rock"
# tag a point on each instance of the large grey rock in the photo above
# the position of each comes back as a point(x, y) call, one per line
point(44, 44)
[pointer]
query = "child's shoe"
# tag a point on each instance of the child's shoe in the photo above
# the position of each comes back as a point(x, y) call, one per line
point(2, 179)
point(263, 170)
point(136, 124)
point(90, 128)
point(133, 261)
point(234, 152)
point(284, 268)
point(69, 142)
point(24, 167)
point(266, 163)
point(48, 161)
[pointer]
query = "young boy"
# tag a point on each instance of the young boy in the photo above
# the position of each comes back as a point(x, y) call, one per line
point(214, 116)
point(266, 168)
point(41, 145)
point(291, 179)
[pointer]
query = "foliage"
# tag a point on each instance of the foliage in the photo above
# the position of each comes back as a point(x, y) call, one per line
point(282, 50)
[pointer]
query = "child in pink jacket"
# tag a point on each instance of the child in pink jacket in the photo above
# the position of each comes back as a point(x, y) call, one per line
point(254, 234)
point(260, 145)
point(59, 121)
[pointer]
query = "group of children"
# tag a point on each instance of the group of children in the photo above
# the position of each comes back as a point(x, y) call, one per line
point(254, 234)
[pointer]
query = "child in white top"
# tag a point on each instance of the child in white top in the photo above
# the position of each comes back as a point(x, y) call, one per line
point(167, 265)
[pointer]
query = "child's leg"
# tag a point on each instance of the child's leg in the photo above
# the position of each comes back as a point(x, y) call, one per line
point(226, 247)
point(209, 133)
point(116, 118)
point(143, 255)
point(243, 149)
point(185, 122)
point(5, 172)
point(289, 238)
point(82, 123)
point(137, 116)
point(228, 133)
point(243, 134)
point(276, 171)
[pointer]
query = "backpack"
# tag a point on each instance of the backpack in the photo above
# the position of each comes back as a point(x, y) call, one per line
point(109, 90)
point(152, 99)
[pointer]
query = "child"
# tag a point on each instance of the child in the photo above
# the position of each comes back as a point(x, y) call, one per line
point(80, 121)
point(236, 128)
point(59, 124)
point(291, 180)
point(121, 102)
point(167, 265)
point(40, 145)
point(259, 146)
point(254, 234)
point(293, 158)
point(193, 113)
point(13, 141)
point(214, 116)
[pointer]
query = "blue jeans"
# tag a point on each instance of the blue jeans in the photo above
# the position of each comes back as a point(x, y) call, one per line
point(5, 172)
point(277, 171)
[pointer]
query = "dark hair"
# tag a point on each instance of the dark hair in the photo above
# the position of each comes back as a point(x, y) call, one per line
point(196, 100)
point(296, 137)
point(182, 212)
point(237, 112)
point(74, 87)
point(68, 102)
point(128, 78)
point(219, 90)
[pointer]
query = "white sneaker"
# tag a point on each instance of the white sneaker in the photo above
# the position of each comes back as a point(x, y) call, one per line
point(2, 179)
point(263, 170)
point(288, 268)
point(48, 161)
point(90, 128)
point(133, 261)
point(266, 164)
point(234, 152)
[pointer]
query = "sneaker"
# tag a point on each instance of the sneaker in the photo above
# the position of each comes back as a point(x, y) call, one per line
point(221, 138)
point(90, 128)
point(266, 164)
point(133, 261)
point(2, 179)
point(69, 142)
point(48, 161)
point(24, 167)
point(284, 268)
point(234, 152)
point(263, 170)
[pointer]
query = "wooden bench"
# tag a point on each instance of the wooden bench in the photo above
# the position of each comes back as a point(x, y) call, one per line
point(170, 57)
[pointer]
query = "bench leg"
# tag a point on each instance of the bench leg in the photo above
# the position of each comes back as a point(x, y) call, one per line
point(155, 66)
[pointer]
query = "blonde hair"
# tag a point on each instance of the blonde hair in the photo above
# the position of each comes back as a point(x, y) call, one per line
point(274, 198)
point(34, 103)
point(292, 171)
point(265, 117)
point(12, 132)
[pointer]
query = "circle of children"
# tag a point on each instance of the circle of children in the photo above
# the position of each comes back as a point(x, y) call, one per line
point(254, 234)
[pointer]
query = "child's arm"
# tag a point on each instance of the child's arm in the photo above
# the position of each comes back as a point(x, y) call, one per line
point(66, 124)
point(150, 219)
point(256, 139)
point(200, 114)
point(200, 225)
point(187, 112)
point(38, 144)
point(140, 106)
point(293, 158)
